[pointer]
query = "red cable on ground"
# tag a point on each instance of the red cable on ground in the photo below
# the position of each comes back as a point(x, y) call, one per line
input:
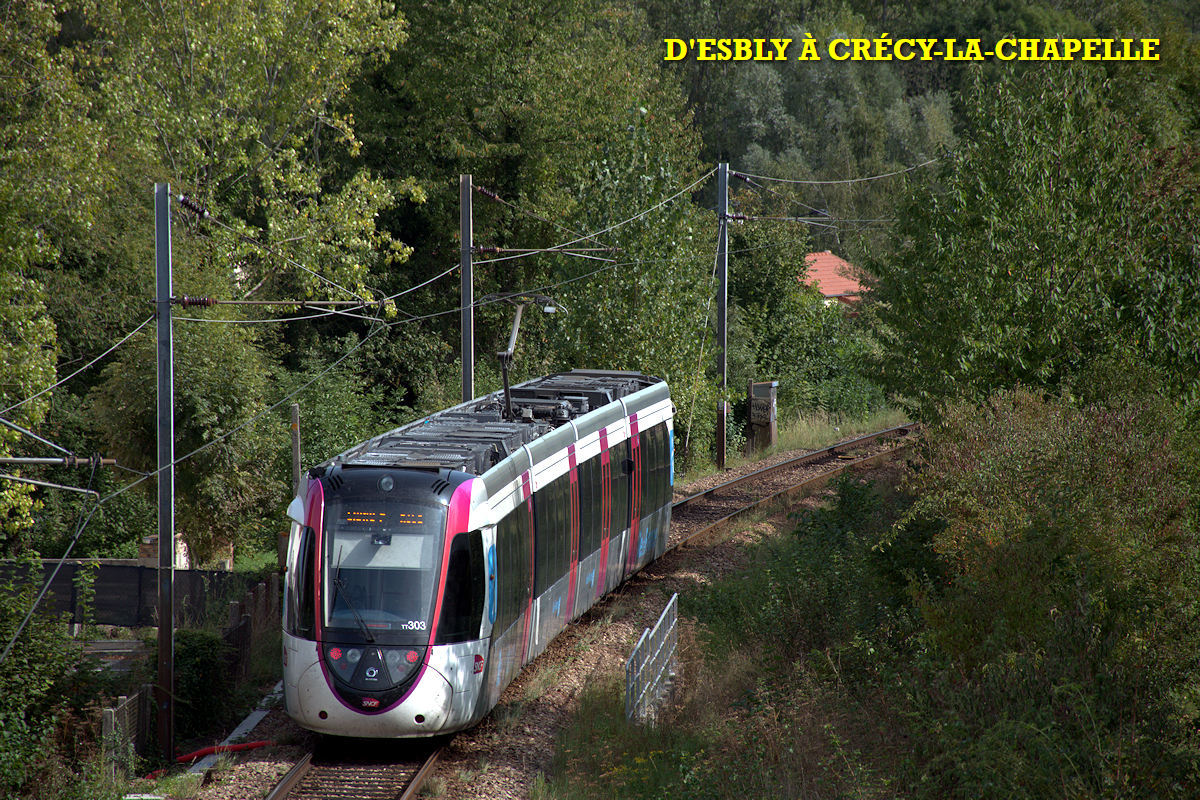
point(221, 748)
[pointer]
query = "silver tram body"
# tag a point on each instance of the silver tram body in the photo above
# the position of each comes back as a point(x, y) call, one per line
point(428, 565)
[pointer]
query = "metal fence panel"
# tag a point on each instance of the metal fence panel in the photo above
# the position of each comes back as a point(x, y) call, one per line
point(125, 731)
point(652, 664)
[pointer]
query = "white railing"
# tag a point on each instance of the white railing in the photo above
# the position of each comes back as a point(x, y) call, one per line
point(650, 671)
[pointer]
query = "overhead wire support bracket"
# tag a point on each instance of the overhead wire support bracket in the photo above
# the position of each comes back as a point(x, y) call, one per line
point(92, 461)
point(48, 485)
point(484, 250)
point(32, 435)
point(187, 301)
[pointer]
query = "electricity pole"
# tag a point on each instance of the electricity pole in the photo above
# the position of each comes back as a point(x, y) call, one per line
point(466, 236)
point(165, 690)
point(722, 303)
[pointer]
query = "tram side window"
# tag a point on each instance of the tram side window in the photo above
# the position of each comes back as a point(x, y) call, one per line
point(646, 447)
point(552, 512)
point(622, 479)
point(512, 565)
point(304, 611)
point(562, 531)
point(668, 463)
point(589, 506)
point(656, 474)
point(462, 602)
point(543, 519)
point(662, 465)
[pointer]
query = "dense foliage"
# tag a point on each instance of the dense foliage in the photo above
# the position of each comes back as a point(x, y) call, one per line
point(326, 142)
point(1015, 619)
point(1059, 234)
point(1038, 227)
point(1063, 643)
point(33, 684)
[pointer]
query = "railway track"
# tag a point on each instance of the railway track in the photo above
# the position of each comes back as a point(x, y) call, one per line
point(355, 769)
point(369, 770)
point(714, 509)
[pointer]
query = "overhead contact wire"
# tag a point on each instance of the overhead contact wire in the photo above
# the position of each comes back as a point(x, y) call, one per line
point(613, 227)
point(81, 369)
point(844, 180)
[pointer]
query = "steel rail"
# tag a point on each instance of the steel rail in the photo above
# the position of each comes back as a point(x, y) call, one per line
point(815, 455)
point(788, 496)
point(423, 775)
point(291, 781)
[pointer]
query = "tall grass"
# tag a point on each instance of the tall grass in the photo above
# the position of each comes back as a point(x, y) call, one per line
point(805, 430)
point(812, 430)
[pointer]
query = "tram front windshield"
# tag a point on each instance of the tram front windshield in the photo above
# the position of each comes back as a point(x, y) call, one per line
point(382, 554)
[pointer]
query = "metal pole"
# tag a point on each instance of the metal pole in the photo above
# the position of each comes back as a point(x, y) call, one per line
point(295, 449)
point(722, 303)
point(165, 691)
point(466, 238)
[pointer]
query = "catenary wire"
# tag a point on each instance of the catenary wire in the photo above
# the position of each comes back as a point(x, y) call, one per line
point(81, 369)
point(266, 248)
point(844, 180)
point(495, 196)
point(614, 226)
point(332, 312)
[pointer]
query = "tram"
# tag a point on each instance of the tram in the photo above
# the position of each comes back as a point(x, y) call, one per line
point(428, 565)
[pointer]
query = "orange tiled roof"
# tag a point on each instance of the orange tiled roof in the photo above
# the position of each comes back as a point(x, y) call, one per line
point(832, 276)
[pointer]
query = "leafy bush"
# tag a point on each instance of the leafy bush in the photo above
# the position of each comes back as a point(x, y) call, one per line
point(33, 678)
point(202, 680)
point(1060, 653)
point(825, 585)
point(1025, 624)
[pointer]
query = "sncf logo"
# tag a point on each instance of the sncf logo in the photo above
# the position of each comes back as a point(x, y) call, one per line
point(370, 702)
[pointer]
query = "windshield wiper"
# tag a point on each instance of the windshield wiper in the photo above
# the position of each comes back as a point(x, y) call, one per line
point(337, 582)
point(346, 598)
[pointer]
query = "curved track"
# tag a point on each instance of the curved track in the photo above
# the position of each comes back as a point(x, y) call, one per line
point(775, 486)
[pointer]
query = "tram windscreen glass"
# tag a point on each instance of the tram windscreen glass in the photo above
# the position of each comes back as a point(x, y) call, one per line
point(382, 559)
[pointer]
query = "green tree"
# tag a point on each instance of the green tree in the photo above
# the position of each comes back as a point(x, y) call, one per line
point(48, 173)
point(245, 119)
point(807, 120)
point(785, 329)
point(649, 310)
point(1053, 237)
point(561, 110)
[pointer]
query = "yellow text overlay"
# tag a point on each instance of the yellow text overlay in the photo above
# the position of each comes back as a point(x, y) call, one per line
point(884, 48)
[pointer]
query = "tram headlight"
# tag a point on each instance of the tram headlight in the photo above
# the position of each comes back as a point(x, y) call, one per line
point(393, 659)
point(353, 655)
